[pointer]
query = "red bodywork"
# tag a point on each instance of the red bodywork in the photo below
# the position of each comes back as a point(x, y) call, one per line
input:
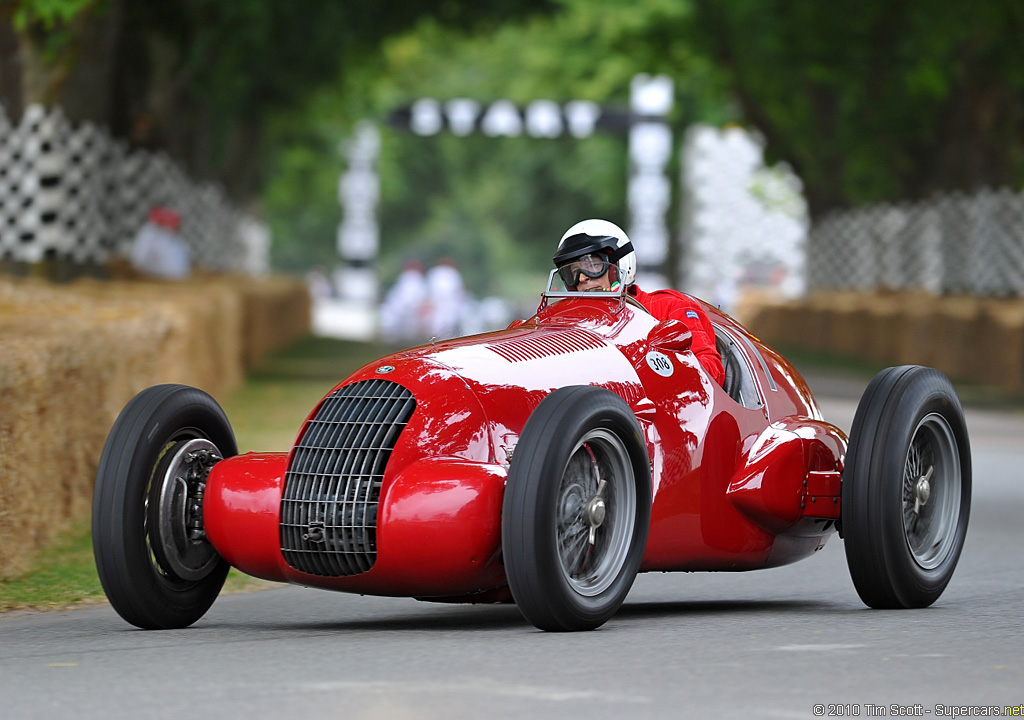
point(734, 487)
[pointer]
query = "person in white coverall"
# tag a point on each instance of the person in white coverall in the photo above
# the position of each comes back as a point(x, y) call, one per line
point(159, 250)
point(447, 299)
point(403, 316)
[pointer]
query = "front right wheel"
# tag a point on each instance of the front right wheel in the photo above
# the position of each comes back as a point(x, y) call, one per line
point(576, 509)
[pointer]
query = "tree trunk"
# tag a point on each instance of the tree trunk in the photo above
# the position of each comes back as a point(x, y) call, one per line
point(74, 71)
point(86, 92)
point(10, 69)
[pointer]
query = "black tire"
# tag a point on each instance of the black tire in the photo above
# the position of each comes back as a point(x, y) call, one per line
point(154, 563)
point(572, 547)
point(906, 492)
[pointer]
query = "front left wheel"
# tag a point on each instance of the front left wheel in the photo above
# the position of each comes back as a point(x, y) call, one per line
point(576, 510)
point(153, 559)
point(906, 493)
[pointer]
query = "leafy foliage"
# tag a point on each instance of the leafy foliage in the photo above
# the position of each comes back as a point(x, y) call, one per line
point(867, 99)
point(48, 14)
point(876, 99)
point(499, 205)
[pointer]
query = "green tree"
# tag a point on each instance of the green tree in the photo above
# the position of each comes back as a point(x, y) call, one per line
point(867, 99)
point(499, 205)
point(202, 78)
point(875, 100)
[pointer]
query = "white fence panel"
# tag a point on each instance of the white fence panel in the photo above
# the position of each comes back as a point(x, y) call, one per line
point(949, 244)
point(75, 193)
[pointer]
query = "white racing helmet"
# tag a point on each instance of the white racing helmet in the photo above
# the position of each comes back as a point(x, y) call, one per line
point(594, 235)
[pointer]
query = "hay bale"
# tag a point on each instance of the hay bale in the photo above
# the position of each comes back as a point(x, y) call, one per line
point(968, 338)
point(916, 325)
point(955, 336)
point(60, 393)
point(71, 356)
point(999, 356)
point(277, 312)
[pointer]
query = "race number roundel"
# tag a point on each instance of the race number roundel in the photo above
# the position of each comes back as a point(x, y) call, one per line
point(660, 363)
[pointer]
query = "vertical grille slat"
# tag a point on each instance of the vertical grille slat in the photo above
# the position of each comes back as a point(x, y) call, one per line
point(332, 485)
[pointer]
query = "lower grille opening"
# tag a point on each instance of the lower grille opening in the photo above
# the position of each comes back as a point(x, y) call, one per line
point(332, 485)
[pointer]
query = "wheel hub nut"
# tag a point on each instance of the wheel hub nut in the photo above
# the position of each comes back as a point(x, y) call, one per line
point(595, 512)
point(923, 490)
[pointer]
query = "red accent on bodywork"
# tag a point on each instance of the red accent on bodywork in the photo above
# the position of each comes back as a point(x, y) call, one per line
point(538, 345)
point(439, 529)
point(241, 508)
point(823, 482)
point(824, 495)
point(784, 469)
point(769, 486)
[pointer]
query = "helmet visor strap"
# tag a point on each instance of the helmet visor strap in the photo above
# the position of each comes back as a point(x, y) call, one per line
point(593, 265)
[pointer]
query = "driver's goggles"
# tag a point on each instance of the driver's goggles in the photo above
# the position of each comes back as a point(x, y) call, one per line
point(593, 265)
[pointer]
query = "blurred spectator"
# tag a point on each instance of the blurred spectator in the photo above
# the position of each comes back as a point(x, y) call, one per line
point(448, 299)
point(726, 293)
point(487, 315)
point(159, 249)
point(403, 316)
point(319, 284)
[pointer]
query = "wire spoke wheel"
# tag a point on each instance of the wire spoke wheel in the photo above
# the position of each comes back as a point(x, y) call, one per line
point(931, 492)
point(576, 509)
point(906, 489)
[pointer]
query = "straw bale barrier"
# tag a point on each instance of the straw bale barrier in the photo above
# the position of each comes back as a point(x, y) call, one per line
point(72, 355)
point(974, 339)
point(276, 311)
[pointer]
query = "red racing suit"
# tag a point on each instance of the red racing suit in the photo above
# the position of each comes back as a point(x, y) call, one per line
point(674, 305)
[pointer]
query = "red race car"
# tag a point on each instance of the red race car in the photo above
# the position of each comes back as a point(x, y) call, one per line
point(545, 464)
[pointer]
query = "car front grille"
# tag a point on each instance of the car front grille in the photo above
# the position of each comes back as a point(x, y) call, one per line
point(332, 485)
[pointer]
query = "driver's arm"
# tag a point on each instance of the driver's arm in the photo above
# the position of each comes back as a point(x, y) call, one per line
point(703, 338)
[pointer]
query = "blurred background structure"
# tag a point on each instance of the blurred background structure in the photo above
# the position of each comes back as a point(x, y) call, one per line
point(744, 224)
point(73, 194)
point(774, 147)
point(950, 244)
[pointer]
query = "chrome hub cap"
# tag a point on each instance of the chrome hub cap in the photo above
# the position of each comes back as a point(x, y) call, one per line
point(595, 512)
point(923, 491)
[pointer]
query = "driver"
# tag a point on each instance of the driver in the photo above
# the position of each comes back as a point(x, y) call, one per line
point(596, 255)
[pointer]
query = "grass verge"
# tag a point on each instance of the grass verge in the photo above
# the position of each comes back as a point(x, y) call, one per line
point(266, 413)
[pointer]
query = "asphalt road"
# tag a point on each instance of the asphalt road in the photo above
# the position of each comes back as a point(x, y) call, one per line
point(768, 644)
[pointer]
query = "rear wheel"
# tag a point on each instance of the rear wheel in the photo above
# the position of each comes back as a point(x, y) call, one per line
point(906, 492)
point(576, 509)
point(153, 559)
